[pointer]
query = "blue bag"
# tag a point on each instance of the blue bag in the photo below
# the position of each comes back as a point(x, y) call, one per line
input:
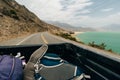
point(54, 68)
point(10, 68)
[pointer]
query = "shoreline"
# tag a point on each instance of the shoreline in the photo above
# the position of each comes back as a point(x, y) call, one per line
point(76, 33)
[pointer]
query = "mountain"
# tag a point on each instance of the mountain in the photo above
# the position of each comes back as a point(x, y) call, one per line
point(69, 27)
point(112, 27)
point(16, 20)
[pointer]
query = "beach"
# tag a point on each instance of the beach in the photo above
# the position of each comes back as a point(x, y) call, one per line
point(75, 33)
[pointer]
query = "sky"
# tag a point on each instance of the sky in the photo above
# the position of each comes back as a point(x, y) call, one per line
point(85, 13)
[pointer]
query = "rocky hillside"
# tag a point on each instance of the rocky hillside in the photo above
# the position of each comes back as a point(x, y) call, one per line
point(16, 20)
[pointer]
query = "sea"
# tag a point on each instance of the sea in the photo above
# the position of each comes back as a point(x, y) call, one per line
point(111, 39)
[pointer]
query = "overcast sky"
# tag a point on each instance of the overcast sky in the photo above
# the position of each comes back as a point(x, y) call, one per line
point(85, 13)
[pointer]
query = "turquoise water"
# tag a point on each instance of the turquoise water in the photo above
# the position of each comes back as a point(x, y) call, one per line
point(111, 39)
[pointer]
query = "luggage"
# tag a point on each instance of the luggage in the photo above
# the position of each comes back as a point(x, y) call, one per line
point(49, 66)
point(10, 68)
point(52, 67)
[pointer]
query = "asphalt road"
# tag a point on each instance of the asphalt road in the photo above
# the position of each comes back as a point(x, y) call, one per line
point(41, 38)
point(37, 38)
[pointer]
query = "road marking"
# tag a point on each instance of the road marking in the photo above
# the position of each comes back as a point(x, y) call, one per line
point(25, 39)
point(43, 38)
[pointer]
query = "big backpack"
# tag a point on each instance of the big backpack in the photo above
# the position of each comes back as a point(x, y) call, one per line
point(52, 67)
point(10, 68)
point(49, 66)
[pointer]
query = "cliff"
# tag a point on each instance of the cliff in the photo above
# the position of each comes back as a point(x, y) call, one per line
point(16, 20)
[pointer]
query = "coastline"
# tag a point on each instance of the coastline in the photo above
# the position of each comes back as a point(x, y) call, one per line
point(76, 33)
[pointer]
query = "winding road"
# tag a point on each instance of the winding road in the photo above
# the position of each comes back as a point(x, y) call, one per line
point(41, 38)
point(37, 38)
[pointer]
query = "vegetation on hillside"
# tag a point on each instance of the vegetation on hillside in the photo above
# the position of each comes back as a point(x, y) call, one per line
point(99, 46)
point(92, 44)
point(68, 36)
point(9, 12)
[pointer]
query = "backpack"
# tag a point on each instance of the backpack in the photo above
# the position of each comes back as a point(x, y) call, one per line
point(52, 67)
point(10, 68)
point(49, 66)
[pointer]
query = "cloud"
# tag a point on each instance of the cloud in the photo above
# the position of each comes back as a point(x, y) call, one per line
point(58, 10)
point(98, 21)
point(107, 9)
point(68, 4)
point(85, 11)
point(79, 13)
point(74, 12)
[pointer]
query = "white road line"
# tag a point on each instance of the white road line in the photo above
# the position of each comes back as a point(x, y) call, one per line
point(25, 39)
